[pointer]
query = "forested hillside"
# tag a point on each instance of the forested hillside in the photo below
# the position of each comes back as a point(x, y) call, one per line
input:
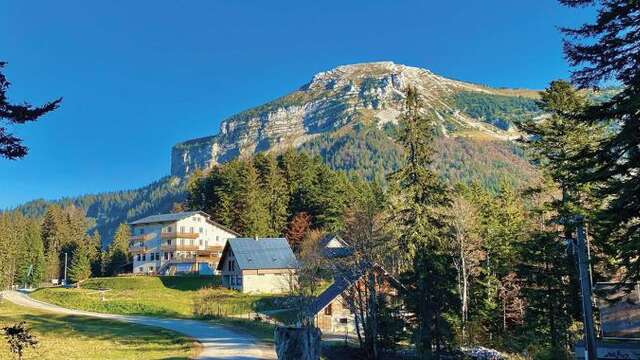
point(108, 210)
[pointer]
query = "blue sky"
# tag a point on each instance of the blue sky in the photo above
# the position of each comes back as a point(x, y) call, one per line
point(140, 76)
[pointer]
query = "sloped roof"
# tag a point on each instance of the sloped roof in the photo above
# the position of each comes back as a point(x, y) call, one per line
point(261, 253)
point(344, 281)
point(343, 250)
point(160, 218)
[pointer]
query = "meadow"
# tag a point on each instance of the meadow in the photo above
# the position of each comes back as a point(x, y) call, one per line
point(160, 296)
point(75, 337)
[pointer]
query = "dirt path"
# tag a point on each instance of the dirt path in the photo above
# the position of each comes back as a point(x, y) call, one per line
point(218, 342)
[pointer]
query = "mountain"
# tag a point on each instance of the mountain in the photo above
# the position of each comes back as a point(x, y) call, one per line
point(348, 116)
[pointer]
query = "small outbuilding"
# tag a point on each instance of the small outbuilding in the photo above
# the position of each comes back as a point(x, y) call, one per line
point(333, 309)
point(258, 265)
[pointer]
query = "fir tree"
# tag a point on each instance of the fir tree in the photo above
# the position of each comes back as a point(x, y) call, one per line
point(274, 189)
point(117, 255)
point(80, 269)
point(424, 231)
point(606, 49)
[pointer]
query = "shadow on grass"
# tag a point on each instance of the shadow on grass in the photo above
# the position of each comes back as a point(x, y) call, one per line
point(190, 282)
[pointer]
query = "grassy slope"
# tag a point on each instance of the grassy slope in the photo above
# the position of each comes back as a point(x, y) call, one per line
point(72, 337)
point(157, 296)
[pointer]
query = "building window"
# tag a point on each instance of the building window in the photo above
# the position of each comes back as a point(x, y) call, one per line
point(217, 238)
point(206, 243)
point(239, 280)
point(141, 231)
point(191, 242)
point(152, 256)
point(140, 269)
point(157, 256)
point(169, 229)
point(181, 241)
point(171, 255)
point(181, 229)
point(144, 257)
point(200, 242)
point(191, 229)
point(138, 257)
point(327, 310)
point(201, 230)
point(166, 256)
point(150, 268)
point(169, 242)
point(233, 280)
point(141, 244)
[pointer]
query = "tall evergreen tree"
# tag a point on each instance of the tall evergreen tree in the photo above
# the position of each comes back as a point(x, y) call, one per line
point(424, 230)
point(52, 237)
point(117, 255)
point(80, 269)
point(274, 189)
point(609, 48)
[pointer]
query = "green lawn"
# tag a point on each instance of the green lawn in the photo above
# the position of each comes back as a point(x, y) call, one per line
point(179, 297)
point(73, 337)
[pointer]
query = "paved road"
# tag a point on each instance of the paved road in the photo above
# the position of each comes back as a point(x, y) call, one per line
point(218, 342)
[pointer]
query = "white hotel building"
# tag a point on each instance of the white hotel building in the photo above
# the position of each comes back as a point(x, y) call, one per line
point(185, 242)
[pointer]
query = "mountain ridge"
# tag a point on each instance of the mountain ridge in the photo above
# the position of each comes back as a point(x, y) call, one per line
point(335, 98)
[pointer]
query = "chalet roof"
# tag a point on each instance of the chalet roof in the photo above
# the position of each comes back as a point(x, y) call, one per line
point(260, 253)
point(331, 251)
point(162, 218)
point(344, 281)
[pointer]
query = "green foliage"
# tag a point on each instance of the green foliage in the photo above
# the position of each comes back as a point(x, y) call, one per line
point(108, 210)
point(498, 110)
point(365, 151)
point(259, 196)
point(603, 51)
point(424, 232)
point(117, 254)
point(80, 269)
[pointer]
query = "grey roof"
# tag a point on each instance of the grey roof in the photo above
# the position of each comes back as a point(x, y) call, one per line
point(337, 252)
point(343, 281)
point(160, 218)
point(165, 217)
point(261, 253)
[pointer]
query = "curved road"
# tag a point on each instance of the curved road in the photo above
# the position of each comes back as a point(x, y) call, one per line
point(218, 342)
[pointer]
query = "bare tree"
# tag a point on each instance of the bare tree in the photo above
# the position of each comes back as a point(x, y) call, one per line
point(467, 251)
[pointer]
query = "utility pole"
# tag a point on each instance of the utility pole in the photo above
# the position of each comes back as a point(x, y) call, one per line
point(585, 291)
point(65, 269)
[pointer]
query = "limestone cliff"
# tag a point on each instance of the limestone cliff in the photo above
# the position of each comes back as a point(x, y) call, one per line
point(369, 93)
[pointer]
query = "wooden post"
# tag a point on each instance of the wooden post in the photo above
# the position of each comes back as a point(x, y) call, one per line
point(585, 291)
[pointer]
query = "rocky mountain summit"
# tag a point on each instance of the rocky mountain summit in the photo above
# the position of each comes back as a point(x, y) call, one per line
point(369, 94)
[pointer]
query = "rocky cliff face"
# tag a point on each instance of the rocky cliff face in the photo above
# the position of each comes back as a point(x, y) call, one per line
point(369, 93)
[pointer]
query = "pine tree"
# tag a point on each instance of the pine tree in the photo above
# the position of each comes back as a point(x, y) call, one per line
point(253, 216)
point(606, 49)
point(52, 235)
point(425, 234)
point(10, 146)
point(274, 190)
point(117, 255)
point(80, 269)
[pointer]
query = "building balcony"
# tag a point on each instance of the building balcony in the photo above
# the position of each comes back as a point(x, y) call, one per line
point(138, 249)
point(210, 250)
point(180, 235)
point(141, 237)
point(178, 247)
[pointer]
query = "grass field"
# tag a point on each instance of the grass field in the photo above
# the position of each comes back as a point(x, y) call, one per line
point(178, 297)
point(73, 337)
